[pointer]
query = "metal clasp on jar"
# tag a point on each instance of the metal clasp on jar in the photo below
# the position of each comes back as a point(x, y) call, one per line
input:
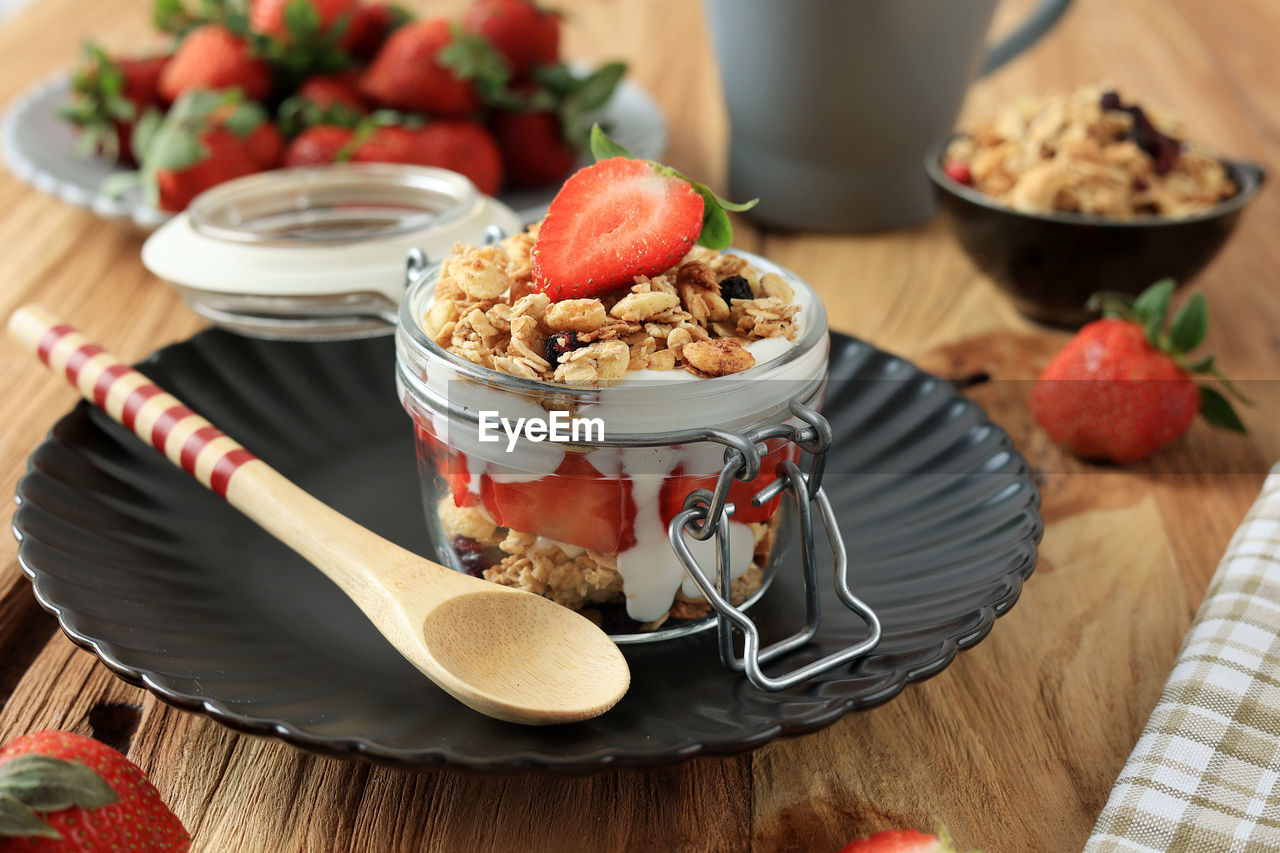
point(707, 513)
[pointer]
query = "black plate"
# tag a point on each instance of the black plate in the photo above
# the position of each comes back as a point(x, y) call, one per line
point(176, 591)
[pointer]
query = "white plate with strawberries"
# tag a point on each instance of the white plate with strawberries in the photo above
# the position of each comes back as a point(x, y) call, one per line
point(313, 86)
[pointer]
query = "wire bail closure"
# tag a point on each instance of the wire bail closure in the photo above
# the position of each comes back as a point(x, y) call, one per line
point(707, 513)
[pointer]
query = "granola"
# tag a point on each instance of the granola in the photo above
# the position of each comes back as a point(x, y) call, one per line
point(579, 578)
point(487, 311)
point(1087, 152)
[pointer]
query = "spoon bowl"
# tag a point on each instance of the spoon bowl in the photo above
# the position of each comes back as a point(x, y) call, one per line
point(514, 656)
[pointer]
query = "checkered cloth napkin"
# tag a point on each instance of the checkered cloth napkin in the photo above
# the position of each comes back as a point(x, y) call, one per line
point(1205, 775)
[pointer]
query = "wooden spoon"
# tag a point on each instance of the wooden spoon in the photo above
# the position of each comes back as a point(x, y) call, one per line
point(506, 653)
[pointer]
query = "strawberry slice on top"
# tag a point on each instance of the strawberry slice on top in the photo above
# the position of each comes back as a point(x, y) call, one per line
point(611, 222)
point(620, 218)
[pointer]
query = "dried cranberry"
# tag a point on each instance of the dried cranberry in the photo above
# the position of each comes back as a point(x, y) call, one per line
point(735, 287)
point(559, 344)
point(1163, 149)
point(470, 554)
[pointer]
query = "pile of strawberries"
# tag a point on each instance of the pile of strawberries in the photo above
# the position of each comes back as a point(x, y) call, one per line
point(307, 82)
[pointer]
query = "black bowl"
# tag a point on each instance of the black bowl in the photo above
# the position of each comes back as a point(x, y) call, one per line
point(1050, 263)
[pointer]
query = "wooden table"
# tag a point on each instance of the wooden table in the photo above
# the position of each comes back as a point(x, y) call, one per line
point(1015, 746)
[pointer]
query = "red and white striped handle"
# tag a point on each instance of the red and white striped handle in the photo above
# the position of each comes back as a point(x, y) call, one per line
point(130, 398)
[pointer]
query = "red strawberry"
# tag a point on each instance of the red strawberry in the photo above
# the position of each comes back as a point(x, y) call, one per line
point(212, 57)
point(265, 145)
point(416, 71)
point(110, 95)
point(534, 149)
point(901, 841)
point(611, 222)
point(1122, 388)
point(224, 156)
point(269, 18)
point(91, 798)
point(390, 144)
point(463, 147)
point(525, 35)
point(326, 90)
point(205, 138)
point(370, 25)
point(319, 145)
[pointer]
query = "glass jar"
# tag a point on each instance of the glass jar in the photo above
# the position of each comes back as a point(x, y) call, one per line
point(582, 517)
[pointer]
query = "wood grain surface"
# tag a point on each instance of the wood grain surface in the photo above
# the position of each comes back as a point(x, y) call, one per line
point(1015, 746)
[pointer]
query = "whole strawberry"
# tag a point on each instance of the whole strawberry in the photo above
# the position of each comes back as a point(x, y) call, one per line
point(535, 152)
point(540, 123)
point(429, 67)
point(320, 145)
point(206, 138)
point(109, 95)
point(902, 841)
point(1122, 388)
point(213, 57)
point(288, 20)
point(370, 25)
point(525, 35)
point(66, 793)
point(620, 218)
point(463, 147)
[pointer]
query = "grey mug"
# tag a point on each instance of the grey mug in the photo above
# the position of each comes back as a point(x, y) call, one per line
point(832, 103)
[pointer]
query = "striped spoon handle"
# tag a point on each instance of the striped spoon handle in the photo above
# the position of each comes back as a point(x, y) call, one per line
point(131, 399)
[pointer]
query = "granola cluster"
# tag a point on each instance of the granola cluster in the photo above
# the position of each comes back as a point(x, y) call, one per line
point(582, 580)
point(697, 316)
point(1088, 153)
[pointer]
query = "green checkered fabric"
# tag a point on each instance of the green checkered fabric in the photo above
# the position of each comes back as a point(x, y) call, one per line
point(1205, 775)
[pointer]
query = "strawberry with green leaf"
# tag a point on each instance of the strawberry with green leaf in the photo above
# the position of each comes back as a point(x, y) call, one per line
point(1123, 387)
point(371, 24)
point(433, 68)
point(211, 56)
point(62, 792)
point(525, 35)
point(541, 126)
point(299, 20)
point(620, 218)
point(206, 138)
point(109, 95)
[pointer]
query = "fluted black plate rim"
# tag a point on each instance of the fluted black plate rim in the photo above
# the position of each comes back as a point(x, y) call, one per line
point(949, 539)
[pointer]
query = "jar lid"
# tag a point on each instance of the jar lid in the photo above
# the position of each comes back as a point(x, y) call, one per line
point(316, 252)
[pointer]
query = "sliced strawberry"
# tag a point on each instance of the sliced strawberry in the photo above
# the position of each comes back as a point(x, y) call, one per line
point(577, 504)
point(678, 485)
point(611, 222)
